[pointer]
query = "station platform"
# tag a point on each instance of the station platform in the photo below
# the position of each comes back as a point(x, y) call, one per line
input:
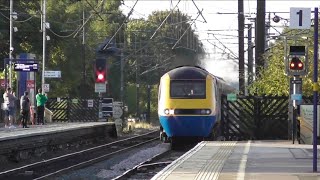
point(17, 144)
point(244, 160)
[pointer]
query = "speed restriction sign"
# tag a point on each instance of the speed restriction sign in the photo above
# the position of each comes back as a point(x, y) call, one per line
point(46, 87)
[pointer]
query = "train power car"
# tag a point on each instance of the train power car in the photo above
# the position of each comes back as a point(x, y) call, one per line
point(189, 103)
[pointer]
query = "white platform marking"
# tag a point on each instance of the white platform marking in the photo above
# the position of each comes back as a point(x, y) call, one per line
point(243, 163)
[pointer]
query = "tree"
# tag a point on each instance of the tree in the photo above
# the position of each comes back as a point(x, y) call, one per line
point(65, 50)
point(147, 59)
point(272, 80)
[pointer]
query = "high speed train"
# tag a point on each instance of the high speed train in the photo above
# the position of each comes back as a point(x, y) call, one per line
point(189, 103)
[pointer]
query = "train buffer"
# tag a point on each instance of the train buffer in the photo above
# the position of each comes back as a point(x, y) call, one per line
point(243, 160)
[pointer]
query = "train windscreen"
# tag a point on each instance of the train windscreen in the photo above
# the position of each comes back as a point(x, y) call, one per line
point(188, 89)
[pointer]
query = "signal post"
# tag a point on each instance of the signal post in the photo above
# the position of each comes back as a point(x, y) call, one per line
point(300, 18)
point(296, 65)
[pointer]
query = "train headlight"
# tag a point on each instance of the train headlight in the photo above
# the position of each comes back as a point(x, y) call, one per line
point(205, 111)
point(169, 111)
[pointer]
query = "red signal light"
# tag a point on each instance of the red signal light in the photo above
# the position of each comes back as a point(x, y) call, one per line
point(100, 71)
point(296, 64)
point(100, 77)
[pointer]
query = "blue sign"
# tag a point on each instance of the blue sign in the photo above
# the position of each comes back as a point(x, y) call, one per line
point(26, 67)
point(297, 97)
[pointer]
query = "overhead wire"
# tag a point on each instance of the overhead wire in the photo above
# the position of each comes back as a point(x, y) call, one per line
point(96, 10)
point(90, 16)
point(62, 36)
point(199, 11)
point(138, 13)
point(148, 42)
point(190, 25)
point(34, 16)
point(223, 50)
point(224, 45)
point(124, 21)
point(164, 20)
point(22, 21)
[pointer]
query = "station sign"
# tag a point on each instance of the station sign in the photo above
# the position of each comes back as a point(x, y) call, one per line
point(26, 67)
point(100, 87)
point(297, 97)
point(90, 103)
point(52, 74)
point(117, 109)
point(231, 97)
point(30, 84)
point(300, 18)
point(296, 81)
point(46, 87)
point(105, 107)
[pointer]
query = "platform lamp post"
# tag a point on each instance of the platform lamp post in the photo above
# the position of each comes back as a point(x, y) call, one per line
point(13, 16)
point(44, 43)
point(10, 47)
point(315, 90)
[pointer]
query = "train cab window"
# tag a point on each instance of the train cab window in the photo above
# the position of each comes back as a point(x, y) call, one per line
point(188, 89)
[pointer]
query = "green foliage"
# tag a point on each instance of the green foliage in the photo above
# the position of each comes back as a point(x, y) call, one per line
point(145, 60)
point(272, 80)
point(131, 98)
point(131, 93)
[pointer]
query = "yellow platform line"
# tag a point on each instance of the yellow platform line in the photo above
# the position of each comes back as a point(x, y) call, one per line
point(162, 175)
point(213, 168)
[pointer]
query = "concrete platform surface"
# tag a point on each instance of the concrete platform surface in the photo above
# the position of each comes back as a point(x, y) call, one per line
point(18, 145)
point(18, 132)
point(244, 160)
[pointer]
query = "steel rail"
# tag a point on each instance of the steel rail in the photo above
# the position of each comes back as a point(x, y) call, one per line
point(69, 156)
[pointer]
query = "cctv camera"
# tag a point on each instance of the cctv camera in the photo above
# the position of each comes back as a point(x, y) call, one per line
point(276, 19)
point(11, 49)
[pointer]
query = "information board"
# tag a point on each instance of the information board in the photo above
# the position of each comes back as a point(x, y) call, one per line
point(26, 67)
point(106, 107)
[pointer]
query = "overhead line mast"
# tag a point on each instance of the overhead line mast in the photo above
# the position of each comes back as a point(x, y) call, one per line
point(241, 47)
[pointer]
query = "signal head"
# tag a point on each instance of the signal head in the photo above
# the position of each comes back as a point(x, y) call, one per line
point(100, 71)
point(296, 64)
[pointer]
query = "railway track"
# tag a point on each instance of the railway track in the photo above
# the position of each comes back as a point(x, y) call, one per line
point(150, 167)
point(58, 165)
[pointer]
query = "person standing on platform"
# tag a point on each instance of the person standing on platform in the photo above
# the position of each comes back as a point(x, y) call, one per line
point(24, 109)
point(8, 107)
point(14, 109)
point(41, 101)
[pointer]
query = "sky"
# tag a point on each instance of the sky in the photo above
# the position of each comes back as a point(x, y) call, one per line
point(222, 21)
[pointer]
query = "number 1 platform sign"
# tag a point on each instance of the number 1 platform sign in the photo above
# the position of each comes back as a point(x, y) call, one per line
point(300, 18)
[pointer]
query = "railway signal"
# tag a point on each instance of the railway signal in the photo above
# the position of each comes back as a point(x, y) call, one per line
point(297, 61)
point(100, 71)
point(296, 64)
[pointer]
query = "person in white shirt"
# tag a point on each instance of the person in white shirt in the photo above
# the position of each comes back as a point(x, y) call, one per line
point(8, 106)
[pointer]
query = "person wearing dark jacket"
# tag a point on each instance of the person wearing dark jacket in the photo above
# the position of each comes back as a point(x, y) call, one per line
point(24, 109)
